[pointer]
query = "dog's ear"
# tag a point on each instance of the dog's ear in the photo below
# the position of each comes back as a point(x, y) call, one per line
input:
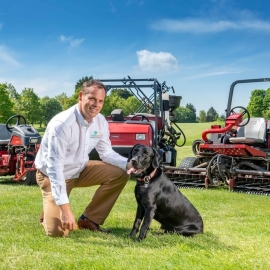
point(130, 152)
point(156, 159)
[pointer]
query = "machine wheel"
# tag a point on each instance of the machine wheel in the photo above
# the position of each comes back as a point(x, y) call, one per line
point(30, 179)
point(196, 147)
point(189, 162)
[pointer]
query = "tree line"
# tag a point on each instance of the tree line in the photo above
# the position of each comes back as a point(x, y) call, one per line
point(41, 110)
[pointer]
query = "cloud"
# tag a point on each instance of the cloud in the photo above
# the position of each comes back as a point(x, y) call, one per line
point(152, 61)
point(113, 9)
point(1, 25)
point(48, 86)
point(214, 73)
point(205, 26)
point(7, 58)
point(72, 42)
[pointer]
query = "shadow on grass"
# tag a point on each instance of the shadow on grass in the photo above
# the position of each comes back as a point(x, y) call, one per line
point(155, 240)
point(7, 180)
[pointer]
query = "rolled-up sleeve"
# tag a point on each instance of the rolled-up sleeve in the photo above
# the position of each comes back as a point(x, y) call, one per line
point(57, 148)
point(106, 153)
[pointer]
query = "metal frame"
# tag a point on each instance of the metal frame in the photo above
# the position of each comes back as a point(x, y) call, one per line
point(153, 83)
point(232, 89)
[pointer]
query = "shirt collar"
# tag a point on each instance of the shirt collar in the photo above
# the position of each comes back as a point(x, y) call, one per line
point(80, 118)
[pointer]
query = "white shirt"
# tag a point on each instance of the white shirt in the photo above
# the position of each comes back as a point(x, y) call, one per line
point(65, 146)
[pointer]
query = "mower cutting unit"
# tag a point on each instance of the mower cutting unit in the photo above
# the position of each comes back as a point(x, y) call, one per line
point(18, 147)
point(236, 155)
point(152, 123)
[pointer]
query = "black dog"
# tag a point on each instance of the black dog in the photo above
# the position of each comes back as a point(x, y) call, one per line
point(158, 198)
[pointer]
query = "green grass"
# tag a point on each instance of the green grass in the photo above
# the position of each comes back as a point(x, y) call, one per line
point(193, 131)
point(236, 231)
point(236, 234)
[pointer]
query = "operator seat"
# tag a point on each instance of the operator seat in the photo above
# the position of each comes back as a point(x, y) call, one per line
point(254, 133)
point(117, 115)
point(4, 135)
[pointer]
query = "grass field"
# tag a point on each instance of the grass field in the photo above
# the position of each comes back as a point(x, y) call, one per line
point(236, 235)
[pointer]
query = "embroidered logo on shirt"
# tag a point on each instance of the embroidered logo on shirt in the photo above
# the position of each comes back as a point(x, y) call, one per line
point(95, 135)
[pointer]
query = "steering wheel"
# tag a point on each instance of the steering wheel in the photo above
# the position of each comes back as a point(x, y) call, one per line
point(245, 111)
point(18, 122)
point(140, 115)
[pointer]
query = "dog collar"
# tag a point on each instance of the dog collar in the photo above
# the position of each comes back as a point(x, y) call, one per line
point(147, 178)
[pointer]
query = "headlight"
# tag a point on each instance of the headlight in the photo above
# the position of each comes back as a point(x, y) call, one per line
point(140, 137)
point(33, 140)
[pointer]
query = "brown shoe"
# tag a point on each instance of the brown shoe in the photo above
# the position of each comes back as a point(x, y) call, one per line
point(41, 218)
point(90, 225)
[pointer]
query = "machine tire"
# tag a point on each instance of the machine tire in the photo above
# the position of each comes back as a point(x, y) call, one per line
point(189, 162)
point(30, 179)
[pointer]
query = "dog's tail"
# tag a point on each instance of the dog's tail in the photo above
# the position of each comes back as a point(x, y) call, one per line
point(189, 230)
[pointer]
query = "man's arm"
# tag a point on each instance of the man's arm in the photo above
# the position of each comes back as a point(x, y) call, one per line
point(57, 149)
point(67, 217)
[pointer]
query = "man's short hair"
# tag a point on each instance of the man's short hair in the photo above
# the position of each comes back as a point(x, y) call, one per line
point(93, 82)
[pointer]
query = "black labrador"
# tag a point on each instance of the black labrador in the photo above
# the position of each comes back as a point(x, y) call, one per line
point(158, 198)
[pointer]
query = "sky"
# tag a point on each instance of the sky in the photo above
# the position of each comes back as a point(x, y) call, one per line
point(198, 47)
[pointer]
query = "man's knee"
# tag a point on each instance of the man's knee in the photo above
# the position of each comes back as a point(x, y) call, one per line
point(56, 232)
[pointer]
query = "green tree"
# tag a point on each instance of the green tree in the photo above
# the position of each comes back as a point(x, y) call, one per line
point(112, 102)
point(202, 117)
point(131, 105)
point(15, 98)
point(62, 99)
point(256, 103)
point(6, 104)
point(266, 104)
point(69, 102)
point(81, 81)
point(49, 107)
point(211, 115)
point(192, 114)
point(123, 93)
point(30, 106)
point(182, 114)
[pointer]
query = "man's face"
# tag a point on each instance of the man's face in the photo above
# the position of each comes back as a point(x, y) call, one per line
point(91, 103)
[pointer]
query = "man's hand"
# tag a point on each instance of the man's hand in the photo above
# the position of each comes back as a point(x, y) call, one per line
point(67, 217)
point(129, 165)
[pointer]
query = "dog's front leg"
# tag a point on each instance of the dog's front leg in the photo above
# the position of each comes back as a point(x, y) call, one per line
point(148, 217)
point(138, 219)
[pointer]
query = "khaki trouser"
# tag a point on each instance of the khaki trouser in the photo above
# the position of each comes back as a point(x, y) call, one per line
point(111, 179)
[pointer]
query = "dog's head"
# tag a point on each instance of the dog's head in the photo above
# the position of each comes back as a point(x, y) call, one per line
point(143, 159)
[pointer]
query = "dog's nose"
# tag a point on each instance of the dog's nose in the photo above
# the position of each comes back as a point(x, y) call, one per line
point(134, 162)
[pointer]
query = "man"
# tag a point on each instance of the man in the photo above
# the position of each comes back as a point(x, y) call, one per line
point(63, 163)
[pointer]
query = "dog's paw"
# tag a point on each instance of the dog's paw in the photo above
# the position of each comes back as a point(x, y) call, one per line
point(130, 235)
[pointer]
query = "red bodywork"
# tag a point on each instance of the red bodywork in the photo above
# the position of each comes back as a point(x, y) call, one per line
point(234, 150)
point(17, 164)
point(124, 134)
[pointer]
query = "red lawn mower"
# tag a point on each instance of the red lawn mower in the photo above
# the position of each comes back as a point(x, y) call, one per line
point(19, 144)
point(236, 156)
point(151, 124)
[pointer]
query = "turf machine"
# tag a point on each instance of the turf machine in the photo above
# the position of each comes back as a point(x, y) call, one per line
point(19, 144)
point(151, 124)
point(236, 156)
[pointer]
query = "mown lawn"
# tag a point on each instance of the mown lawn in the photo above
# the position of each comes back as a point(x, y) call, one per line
point(236, 236)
